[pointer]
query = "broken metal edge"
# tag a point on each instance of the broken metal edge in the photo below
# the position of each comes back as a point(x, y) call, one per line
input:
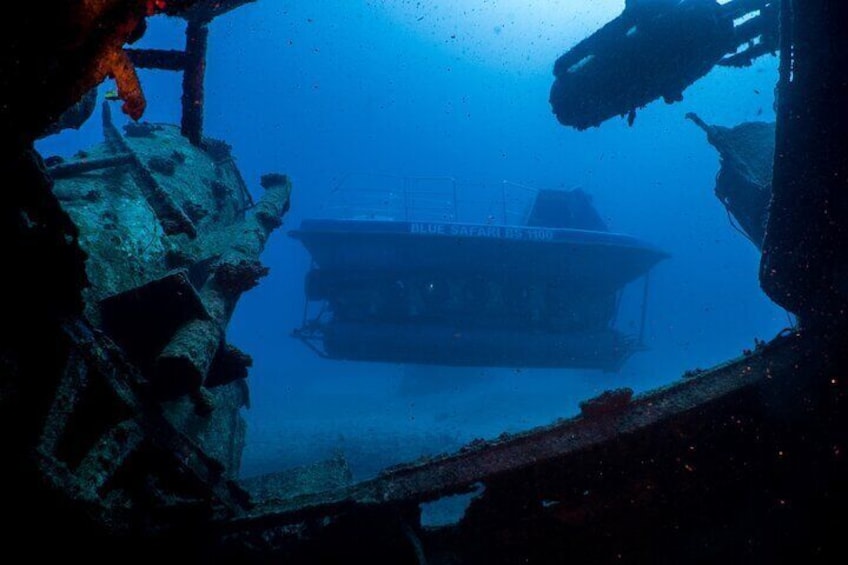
point(479, 461)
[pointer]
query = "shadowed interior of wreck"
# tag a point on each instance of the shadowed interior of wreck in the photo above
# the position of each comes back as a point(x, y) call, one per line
point(123, 443)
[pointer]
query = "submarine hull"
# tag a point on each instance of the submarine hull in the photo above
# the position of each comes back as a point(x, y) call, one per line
point(457, 294)
point(604, 259)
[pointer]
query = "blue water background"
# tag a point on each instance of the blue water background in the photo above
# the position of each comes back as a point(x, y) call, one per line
point(319, 90)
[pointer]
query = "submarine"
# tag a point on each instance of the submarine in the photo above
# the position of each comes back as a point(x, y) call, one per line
point(418, 283)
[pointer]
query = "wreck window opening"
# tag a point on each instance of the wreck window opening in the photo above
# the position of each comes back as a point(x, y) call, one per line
point(542, 292)
point(440, 298)
point(448, 510)
point(746, 17)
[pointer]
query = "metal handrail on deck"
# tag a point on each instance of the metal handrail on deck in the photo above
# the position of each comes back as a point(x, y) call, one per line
point(429, 198)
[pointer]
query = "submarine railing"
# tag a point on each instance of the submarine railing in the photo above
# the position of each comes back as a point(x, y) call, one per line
point(428, 198)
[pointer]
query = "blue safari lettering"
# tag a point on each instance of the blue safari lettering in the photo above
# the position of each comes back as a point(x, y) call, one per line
point(435, 229)
point(494, 232)
point(477, 231)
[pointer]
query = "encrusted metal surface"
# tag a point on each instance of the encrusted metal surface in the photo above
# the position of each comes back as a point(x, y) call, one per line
point(481, 460)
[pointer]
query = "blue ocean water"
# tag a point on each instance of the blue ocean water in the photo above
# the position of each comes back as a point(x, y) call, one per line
point(456, 88)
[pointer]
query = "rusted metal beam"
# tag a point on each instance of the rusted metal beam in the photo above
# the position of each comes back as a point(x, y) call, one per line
point(74, 168)
point(197, 35)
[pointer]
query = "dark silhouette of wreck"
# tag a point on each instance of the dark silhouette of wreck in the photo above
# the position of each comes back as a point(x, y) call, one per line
point(119, 400)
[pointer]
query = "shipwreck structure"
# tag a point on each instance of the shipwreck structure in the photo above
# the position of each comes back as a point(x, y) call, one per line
point(743, 183)
point(656, 49)
point(124, 443)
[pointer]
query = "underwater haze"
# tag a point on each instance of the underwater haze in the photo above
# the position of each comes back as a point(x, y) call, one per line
point(459, 89)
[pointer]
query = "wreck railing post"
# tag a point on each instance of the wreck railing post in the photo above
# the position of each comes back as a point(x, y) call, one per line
point(191, 61)
point(197, 34)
